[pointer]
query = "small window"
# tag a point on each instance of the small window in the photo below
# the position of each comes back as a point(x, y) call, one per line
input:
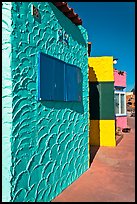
point(120, 103)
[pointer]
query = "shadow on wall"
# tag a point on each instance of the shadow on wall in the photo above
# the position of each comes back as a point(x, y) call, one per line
point(72, 105)
point(70, 28)
point(94, 108)
point(93, 152)
point(75, 106)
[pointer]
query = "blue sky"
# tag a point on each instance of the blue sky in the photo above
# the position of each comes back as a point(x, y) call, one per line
point(111, 29)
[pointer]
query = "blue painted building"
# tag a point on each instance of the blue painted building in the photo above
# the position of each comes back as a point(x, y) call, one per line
point(45, 127)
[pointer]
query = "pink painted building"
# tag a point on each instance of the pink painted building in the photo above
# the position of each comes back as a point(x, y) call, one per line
point(120, 78)
point(120, 98)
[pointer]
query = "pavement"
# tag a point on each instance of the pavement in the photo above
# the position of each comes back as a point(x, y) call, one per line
point(111, 176)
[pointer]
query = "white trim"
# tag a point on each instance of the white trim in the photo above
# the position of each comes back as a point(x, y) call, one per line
point(120, 114)
point(119, 97)
point(125, 104)
point(120, 92)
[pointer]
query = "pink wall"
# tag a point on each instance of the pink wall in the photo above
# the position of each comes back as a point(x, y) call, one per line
point(121, 121)
point(119, 80)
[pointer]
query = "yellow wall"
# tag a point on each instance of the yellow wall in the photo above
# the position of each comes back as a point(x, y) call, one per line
point(102, 132)
point(107, 133)
point(101, 69)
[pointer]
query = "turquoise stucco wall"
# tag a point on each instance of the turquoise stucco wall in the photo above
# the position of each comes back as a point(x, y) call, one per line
point(49, 145)
point(6, 101)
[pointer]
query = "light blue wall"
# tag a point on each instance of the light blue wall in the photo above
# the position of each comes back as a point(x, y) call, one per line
point(50, 139)
point(6, 101)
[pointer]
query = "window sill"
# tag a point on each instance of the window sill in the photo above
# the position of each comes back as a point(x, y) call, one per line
point(121, 115)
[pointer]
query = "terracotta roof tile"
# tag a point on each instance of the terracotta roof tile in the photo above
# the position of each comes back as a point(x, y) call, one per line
point(68, 12)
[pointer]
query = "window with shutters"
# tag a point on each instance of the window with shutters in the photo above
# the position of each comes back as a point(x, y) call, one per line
point(57, 80)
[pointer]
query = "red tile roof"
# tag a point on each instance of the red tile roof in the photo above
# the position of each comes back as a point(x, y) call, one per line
point(68, 12)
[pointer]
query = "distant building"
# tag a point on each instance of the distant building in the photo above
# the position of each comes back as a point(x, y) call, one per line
point(130, 100)
point(120, 98)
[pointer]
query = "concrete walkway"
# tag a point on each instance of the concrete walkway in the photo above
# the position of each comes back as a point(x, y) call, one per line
point(111, 177)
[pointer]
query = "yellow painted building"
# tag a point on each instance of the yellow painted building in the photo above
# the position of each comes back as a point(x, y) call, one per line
point(101, 97)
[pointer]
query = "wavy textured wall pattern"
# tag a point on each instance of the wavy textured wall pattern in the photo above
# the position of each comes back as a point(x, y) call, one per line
point(49, 139)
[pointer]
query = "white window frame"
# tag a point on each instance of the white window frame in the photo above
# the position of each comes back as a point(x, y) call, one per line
point(125, 111)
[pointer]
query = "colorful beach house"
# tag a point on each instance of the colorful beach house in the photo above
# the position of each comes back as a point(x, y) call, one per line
point(45, 122)
point(101, 101)
point(120, 98)
point(107, 100)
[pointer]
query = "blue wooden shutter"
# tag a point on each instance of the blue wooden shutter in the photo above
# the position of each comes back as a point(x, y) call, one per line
point(73, 83)
point(57, 80)
point(46, 77)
